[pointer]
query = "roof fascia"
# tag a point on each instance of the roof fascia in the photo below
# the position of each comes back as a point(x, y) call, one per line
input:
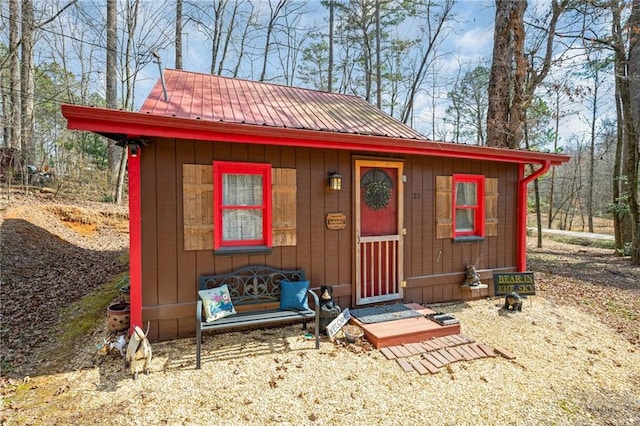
point(128, 123)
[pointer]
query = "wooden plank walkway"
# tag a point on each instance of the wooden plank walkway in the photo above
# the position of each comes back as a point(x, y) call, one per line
point(432, 355)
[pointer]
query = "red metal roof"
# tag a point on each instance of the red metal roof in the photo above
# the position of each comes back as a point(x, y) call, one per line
point(214, 98)
point(218, 109)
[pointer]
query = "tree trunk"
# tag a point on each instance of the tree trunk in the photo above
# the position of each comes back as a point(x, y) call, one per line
point(378, 60)
point(520, 92)
point(630, 96)
point(618, 215)
point(15, 140)
point(536, 189)
point(122, 171)
point(27, 84)
point(132, 22)
point(178, 42)
point(624, 84)
point(592, 153)
point(500, 77)
point(227, 40)
point(111, 82)
point(273, 19)
point(510, 92)
point(553, 169)
point(330, 64)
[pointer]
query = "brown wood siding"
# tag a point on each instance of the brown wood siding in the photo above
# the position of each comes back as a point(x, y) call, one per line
point(167, 213)
point(318, 196)
point(331, 202)
point(285, 158)
point(433, 268)
point(437, 276)
point(204, 153)
point(303, 250)
point(186, 260)
point(149, 227)
point(345, 237)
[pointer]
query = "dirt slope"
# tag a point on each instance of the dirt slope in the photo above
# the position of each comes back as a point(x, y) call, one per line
point(52, 254)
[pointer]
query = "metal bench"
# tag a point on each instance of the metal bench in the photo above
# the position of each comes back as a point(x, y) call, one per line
point(255, 294)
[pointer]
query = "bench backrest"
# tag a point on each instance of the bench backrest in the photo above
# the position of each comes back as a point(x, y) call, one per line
point(251, 284)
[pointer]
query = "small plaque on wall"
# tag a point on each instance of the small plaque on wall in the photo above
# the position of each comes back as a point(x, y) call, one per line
point(336, 221)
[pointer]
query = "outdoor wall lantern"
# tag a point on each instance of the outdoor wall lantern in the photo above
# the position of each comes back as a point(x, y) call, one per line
point(335, 181)
point(134, 145)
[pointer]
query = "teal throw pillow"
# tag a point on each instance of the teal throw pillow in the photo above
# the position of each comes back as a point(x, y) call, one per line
point(293, 295)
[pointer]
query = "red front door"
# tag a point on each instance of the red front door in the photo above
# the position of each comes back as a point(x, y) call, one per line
point(378, 195)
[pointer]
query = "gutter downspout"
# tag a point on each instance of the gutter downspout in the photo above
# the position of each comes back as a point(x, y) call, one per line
point(522, 210)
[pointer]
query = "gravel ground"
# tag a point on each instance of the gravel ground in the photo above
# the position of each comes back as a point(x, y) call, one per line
point(574, 364)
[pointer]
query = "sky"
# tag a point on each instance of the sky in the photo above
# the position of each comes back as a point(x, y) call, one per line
point(469, 44)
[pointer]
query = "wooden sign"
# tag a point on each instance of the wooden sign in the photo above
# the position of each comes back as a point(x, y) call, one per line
point(340, 321)
point(518, 282)
point(336, 221)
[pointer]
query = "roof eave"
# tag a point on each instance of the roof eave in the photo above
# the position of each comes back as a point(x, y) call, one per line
point(135, 124)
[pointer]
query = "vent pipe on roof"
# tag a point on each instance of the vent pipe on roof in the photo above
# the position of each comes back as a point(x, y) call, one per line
point(157, 61)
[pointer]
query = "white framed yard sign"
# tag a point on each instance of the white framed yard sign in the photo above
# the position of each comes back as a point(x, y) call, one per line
point(337, 324)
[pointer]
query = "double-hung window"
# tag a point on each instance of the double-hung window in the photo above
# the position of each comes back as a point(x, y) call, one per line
point(242, 204)
point(468, 203)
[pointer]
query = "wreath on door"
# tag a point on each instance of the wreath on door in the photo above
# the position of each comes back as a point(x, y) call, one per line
point(377, 186)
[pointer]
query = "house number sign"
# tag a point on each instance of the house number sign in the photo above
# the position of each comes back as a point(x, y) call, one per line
point(336, 221)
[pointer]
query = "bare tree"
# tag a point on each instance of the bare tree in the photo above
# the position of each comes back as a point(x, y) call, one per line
point(624, 40)
point(469, 105)
point(220, 22)
point(276, 12)
point(139, 40)
point(244, 40)
point(560, 92)
point(434, 16)
point(290, 50)
point(594, 71)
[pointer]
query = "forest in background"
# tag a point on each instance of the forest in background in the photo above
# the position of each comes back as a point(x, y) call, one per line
point(551, 65)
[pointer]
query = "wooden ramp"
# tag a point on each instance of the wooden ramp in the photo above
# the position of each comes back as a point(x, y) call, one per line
point(432, 355)
point(403, 331)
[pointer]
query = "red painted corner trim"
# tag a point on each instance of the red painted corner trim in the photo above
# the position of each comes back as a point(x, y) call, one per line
point(523, 181)
point(135, 240)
